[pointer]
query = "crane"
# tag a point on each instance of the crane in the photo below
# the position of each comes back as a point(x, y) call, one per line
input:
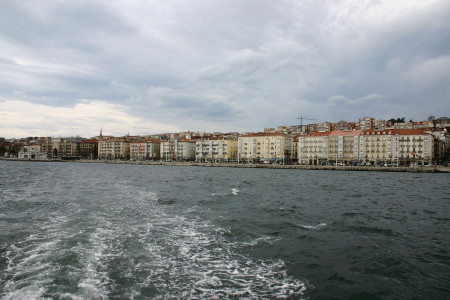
point(301, 121)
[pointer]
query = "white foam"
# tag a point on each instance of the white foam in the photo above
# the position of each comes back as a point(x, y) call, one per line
point(180, 256)
point(318, 226)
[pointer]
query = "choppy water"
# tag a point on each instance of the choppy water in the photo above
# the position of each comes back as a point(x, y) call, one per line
point(102, 231)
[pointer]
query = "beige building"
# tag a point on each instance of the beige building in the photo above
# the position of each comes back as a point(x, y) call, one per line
point(114, 148)
point(371, 147)
point(268, 147)
point(343, 146)
point(145, 149)
point(313, 148)
point(216, 149)
point(396, 146)
point(61, 147)
point(177, 149)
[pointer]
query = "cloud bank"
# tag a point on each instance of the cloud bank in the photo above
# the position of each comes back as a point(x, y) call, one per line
point(153, 66)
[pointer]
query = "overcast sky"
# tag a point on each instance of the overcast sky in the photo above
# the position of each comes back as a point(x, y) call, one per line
point(72, 67)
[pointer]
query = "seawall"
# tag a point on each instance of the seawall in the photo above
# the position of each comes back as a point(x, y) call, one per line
point(263, 166)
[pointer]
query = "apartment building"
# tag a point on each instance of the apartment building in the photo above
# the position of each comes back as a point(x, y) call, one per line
point(313, 148)
point(271, 147)
point(389, 146)
point(343, 146)
point(145, 149)
point(216, 149)
point(177, 149)
point(366, 123)
point(114, 148)
point(89, 149)
point(61, 147)
point(344, 126)
point(324, 126)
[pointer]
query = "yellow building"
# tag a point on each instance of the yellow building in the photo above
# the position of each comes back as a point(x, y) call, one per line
point(216, 149)
point(267, 147)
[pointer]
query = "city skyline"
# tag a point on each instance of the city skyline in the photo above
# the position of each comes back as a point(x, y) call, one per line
point(152, 67)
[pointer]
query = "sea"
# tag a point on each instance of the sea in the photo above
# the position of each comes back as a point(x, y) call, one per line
point(121, 231)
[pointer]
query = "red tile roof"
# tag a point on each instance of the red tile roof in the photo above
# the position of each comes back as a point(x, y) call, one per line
point(264, 134)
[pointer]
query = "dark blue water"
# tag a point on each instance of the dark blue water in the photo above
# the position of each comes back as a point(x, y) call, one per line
point(103, 231)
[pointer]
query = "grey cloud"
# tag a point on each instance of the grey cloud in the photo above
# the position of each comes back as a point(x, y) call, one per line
point(242, 65)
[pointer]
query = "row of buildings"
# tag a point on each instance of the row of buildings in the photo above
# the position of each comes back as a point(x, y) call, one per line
point(350, 147)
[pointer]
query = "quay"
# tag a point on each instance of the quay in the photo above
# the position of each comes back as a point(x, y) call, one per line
point(431, 169)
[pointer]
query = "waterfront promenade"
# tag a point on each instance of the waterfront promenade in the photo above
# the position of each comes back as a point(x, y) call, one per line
point(249, 165)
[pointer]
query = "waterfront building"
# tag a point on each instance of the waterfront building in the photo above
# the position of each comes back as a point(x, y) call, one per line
point(270, 147)
point(343, 146)
point(372, 147)
point(89, 149)
point(295, 149)
point(167, 150)
point(397, 146)
point(32, 151)
point(313, 148)
point(177, 149)
point(145, 149)
point(114, 148)
point(62, 147)
point(216, 149)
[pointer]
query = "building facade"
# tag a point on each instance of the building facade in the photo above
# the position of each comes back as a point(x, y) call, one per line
point(61, 147)
point(366, 123)
point(114, 148)
point(89, 149)
point(216, 149)
point(268, 147)
point(32, 152)
point(177, 149)
point(145, 149)
point(313, 148)
point(401, 147)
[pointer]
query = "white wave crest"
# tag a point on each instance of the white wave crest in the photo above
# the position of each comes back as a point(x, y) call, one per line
point(318, 226)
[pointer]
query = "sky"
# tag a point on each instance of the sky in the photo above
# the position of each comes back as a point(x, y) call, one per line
point(144, 67)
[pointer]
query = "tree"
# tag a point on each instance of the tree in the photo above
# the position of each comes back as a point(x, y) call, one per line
point(398, 120)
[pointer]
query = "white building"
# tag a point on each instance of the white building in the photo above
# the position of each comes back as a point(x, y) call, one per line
point(32, 152)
